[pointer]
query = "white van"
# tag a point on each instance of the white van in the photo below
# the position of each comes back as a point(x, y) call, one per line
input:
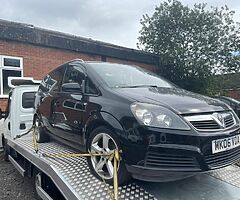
point(17, 119)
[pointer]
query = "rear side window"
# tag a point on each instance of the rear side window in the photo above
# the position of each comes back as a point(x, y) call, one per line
point(52, 81)
point(28, 99)
point(47, 84)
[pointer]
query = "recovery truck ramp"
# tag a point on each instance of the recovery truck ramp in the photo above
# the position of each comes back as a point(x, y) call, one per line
point(73, 179)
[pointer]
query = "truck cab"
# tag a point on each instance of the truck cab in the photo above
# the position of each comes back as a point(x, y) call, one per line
point(17, 118)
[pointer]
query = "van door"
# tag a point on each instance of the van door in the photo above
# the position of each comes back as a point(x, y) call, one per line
point(22, 110)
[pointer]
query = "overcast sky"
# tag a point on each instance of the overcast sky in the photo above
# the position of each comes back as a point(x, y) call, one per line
point(113, 21)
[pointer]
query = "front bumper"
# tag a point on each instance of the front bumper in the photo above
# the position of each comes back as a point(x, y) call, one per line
point(181, 156)
point(157, 175)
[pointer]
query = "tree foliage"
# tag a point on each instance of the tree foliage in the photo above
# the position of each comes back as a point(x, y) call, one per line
point(193, 44)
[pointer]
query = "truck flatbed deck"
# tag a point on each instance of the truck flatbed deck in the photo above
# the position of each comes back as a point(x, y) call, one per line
point(72, 177)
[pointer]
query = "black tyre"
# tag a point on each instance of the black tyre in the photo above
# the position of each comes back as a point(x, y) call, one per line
point(40, 131)
point(43, 181)
point(5, 151)
point(37, 182)
point(102, 140)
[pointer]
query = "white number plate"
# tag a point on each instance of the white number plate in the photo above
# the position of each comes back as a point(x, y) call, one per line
point(225, 144)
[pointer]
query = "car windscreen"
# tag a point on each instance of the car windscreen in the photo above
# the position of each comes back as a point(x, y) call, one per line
point(118, 75)
point(28, 99)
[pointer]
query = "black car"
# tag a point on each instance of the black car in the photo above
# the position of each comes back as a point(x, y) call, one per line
point(165, 133)
point(233, 103)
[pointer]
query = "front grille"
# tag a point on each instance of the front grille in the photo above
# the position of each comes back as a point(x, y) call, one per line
point(156, 159)
point(205, 125)
point(223, 158)
point(229, 120)
point(214, 121)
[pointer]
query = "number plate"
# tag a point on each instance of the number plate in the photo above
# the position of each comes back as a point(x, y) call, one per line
point(225, 144)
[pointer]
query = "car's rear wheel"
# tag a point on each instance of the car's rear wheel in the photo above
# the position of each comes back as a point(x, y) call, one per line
point(103, 141)
point(40, 131)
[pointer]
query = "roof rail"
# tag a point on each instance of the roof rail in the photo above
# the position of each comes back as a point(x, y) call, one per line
point(78, 59)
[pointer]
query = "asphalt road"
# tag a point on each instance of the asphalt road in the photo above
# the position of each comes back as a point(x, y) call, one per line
point(13, 185)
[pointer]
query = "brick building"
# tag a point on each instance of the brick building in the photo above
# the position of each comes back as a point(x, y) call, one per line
point(234, 93)
point(230, 84)
point(29, 51)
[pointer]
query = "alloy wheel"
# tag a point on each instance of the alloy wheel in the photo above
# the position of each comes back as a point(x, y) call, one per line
point(104, 144)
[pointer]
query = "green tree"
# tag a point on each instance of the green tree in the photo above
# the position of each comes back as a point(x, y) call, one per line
point(193, 44)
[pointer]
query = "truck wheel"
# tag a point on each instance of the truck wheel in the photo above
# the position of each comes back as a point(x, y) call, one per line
point(40, 131)
point(38, 182)
point(102, 140)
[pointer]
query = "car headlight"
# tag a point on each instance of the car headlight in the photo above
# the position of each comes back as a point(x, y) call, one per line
point(157, 116)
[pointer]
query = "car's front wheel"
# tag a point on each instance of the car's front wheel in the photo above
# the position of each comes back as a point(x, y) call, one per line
point(103, 141)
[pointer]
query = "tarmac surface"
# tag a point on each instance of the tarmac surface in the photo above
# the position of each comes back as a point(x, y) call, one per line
point(13, 185)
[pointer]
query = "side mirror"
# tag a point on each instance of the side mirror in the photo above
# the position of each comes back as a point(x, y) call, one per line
point(72, 87)
point(2, 114)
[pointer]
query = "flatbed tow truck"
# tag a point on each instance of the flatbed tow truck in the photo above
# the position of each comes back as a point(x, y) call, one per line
point(59, 177)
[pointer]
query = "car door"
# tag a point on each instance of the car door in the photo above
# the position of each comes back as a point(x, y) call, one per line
point(69, 105)
point(47, 92)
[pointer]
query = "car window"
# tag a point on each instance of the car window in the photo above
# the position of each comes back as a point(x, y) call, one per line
point(90, 87)
point(47, 84)
point(52, 80)
point(74, 74)
point(118, 75)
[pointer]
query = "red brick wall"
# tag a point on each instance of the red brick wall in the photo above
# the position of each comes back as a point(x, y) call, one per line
point(235, 94)
point(38, 61)
point(3, 104)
